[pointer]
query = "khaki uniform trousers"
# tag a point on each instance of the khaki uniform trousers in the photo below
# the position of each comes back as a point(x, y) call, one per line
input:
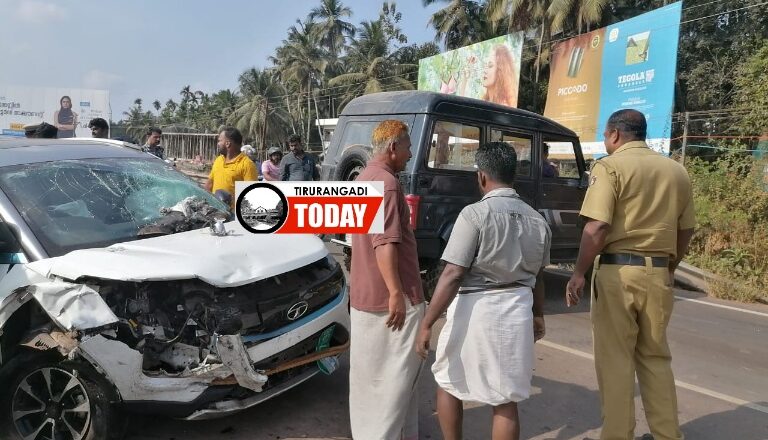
point(631, 308)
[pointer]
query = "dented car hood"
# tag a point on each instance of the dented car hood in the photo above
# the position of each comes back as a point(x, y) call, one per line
point(236, 259)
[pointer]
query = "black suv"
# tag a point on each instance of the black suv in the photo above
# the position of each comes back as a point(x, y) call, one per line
point(440, 179)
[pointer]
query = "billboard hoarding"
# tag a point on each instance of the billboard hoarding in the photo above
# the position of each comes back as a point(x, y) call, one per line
point(631, 64)
point(21, 106)
point(489, 70)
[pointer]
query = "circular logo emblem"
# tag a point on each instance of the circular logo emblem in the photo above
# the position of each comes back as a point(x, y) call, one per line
point(261, 208)
point(297, 310)
point(595, 41)
point(613, 35)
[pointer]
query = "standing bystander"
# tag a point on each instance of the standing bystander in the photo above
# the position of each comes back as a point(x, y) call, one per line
point(494, 259)
point(298, 165)
point(99, 128)
point(152, 145)
point(387, 304)
point(270, 168)
point(640, 219)
point(230, 166)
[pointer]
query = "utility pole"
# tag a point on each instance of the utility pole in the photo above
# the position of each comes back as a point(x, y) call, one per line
point(685, 137)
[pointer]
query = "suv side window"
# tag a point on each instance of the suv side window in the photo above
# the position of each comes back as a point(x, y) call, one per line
point(453, 146)
point(522, 145)
point(559, 159)
point(358, 134)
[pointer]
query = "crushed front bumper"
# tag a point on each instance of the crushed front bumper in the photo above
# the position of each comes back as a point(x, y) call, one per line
point(255, 367)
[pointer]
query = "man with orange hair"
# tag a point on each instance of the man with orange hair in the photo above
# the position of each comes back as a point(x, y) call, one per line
point(387, 304)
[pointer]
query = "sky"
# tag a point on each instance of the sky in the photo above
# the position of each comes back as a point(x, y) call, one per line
point(150, 49)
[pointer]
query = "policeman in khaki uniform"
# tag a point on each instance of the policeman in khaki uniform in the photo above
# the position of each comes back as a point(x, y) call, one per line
point(640, 219)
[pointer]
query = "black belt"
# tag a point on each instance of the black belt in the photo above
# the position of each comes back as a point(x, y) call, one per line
point(473, 289)
point(632, 260)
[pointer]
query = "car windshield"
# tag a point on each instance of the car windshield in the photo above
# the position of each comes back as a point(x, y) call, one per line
point(77, 204)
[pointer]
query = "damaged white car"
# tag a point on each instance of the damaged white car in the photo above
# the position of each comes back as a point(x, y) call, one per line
point(118, 293)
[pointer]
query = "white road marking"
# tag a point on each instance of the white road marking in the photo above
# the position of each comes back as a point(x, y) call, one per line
point(722, 306)
point(679, 383)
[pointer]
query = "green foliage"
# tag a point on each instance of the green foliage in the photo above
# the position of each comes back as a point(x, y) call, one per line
point(752, 92)
point(732, 214)
point(712, 48)
point(325, 61)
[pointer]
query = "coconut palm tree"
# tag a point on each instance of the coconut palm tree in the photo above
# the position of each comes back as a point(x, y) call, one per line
point(137, 120)
point(460, 23)
point(371, 67)
point(301, 62)
point(261, 104)
point(330, 27)
point(549, 16)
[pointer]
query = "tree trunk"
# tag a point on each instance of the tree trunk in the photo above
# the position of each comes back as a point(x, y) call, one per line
point(299, 115)
point(309, 108)
point(264, 126)
point(540, 45)
point(317, 114)
point(290, 114)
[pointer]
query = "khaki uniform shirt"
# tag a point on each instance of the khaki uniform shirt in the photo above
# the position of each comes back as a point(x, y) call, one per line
point(367, 290)
point(501, 239)
point(644, 197)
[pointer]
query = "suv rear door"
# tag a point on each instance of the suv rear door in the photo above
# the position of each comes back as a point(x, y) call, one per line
point(444, 179)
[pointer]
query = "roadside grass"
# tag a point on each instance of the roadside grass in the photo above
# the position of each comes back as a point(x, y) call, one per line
point(731, 239)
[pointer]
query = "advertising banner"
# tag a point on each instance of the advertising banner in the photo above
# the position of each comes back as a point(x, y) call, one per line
point(67, 108)
point(630, 64)
point(489, 70)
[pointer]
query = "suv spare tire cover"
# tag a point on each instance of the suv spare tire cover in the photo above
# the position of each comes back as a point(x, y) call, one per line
point(353, 157)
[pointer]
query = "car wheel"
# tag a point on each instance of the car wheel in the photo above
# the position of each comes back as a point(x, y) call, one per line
point(353, 171)
point(352, 165)
point(432, 271)
point(45, 398)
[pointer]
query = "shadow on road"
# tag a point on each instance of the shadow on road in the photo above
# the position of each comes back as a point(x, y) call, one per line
point(555, 283)
point(739, 423)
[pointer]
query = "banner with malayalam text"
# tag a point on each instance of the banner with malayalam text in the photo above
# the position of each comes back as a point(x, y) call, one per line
point(68, 108)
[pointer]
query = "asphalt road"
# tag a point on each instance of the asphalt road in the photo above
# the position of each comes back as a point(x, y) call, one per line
point(720, 359)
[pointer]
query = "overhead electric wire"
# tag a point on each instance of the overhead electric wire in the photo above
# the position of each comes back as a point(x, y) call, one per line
point(277, 102)
point(530, 45)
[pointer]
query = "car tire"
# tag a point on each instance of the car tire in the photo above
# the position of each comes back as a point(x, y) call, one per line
point(80, 401)
point(432, 271)
point(352, 166)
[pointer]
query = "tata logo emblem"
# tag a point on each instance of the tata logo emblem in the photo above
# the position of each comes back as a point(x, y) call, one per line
point(297, 310)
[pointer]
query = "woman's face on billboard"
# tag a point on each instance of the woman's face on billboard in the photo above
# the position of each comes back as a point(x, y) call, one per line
point(66, 103)
point(489, 76)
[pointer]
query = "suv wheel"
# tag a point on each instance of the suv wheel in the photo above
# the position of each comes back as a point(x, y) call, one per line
point(50, 399)
point(352, 165)
point(354, 171)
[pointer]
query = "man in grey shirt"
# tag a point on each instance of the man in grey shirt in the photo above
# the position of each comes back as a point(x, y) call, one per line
point(298, 165)
point(494, 261)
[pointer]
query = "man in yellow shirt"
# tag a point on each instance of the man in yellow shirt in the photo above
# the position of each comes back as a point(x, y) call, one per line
point(231, 165)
